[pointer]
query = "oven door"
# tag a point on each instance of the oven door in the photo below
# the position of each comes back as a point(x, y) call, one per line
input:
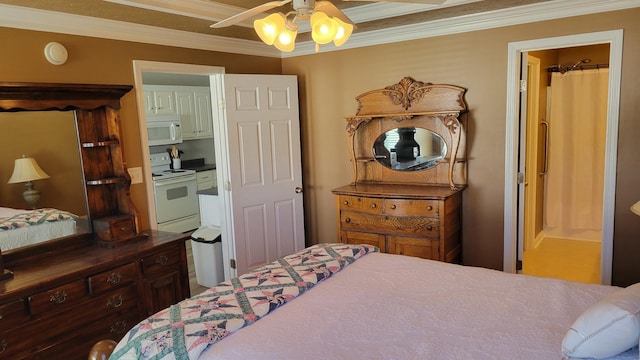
point(176, 198)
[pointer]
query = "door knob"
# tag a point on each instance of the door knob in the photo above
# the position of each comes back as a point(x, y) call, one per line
point(298, 190)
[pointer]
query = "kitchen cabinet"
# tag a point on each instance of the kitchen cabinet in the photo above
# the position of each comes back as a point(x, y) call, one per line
point(159, 100)
point(194, 110)
point(206, 179)
point(408, 154)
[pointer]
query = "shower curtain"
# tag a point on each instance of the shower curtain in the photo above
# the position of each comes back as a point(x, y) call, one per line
point(576, 151)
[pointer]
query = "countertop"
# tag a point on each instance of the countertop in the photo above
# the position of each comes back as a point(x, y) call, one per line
point(197, 165)
point(209, 191)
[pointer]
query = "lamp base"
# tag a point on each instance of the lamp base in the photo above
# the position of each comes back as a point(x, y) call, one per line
point(31, 195)
point(6, 275)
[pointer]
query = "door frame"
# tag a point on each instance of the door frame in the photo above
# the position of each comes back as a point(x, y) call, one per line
point(615, 40)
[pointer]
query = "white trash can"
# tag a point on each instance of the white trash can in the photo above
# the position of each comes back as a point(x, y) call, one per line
point(206, 246)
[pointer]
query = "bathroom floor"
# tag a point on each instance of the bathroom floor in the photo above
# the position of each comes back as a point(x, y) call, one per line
point(564, 259)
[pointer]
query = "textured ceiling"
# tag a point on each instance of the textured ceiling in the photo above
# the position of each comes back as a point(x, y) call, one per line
point(113, 11)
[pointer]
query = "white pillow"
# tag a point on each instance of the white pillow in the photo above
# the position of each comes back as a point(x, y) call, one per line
point(607, 328)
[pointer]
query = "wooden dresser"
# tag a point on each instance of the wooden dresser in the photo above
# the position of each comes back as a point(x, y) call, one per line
point(59, 297)
point(57, 307)
point(406, 201)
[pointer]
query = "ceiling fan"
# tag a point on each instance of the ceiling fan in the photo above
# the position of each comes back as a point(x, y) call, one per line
point(328, 23)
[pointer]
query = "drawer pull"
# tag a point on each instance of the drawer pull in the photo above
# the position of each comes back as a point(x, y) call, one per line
point(123, 228)
point(114, 278)
point(59, 297)
point(374, 205)
point(162, 260)
point(115, 301)
point(393, 206)
point(429, 207)
point(3, 345)
point(346, 202)
point(347, 220)
point(1, 316)
point(429, 227)
point(119, 327)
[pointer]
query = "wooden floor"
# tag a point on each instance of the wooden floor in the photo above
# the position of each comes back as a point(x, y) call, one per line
point(564, 259)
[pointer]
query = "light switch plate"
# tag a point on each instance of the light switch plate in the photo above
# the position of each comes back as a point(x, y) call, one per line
point(135, 174)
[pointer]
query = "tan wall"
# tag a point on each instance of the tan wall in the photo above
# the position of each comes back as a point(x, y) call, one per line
point(102, 61)
point(328, 85)
point(50, 138)
point(329, 82)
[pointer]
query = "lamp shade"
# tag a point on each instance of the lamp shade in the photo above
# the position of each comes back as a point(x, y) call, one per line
point(285, 41)
point(270, 27)
point(343, 33)
point(26, 169)
point(635, 208)
point(323, 28)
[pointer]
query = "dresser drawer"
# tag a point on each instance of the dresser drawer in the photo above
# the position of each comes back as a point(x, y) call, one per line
point(408, 207)
point(13, 314)
point(358, 203)
point(112, 278)
point(419, 247)
point(410, 226)
point(57, 299)
point(114, 228)
point(356, 238)
point(44, 333)
point(167, 259)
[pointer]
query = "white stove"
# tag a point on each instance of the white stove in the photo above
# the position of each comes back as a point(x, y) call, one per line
point(174, 190)
point(161, 167)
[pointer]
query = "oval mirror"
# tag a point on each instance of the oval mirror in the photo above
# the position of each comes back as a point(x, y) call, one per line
point(409, 149)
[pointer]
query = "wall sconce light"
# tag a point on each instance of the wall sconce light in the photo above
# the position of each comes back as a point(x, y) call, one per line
point(27, 170)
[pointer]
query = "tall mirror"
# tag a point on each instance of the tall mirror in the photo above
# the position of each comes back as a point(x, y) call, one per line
point(40, 152)
point(409, 149)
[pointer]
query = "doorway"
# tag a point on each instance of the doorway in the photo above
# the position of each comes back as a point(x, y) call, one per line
point(565, 120)
point(514, 223)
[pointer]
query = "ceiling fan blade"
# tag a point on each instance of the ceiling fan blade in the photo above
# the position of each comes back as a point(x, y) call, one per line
point(249, 13)
point(426, 2)
point(331, 10)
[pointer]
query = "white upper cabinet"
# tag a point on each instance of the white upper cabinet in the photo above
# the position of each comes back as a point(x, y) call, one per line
point(194, 109)
point(159, 100)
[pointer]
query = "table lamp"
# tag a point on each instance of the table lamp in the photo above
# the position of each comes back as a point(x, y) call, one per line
point(26, 169)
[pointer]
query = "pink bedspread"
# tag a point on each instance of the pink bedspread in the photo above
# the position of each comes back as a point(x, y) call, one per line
point(396, 307)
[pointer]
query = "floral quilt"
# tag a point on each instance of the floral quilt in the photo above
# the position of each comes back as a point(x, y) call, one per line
point(35, 217)
point(186, 329)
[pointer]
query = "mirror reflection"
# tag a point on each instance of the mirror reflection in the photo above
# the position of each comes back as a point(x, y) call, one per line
point(409, 149)
point(42, 196)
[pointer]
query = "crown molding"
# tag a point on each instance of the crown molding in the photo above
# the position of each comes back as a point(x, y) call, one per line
point(549, 10)
point(56, 22)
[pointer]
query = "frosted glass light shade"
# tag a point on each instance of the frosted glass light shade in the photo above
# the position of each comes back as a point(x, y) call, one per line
point(285, 41)
point(26, 169)
point(270, 27)
point(343, 33)
point(323, 28)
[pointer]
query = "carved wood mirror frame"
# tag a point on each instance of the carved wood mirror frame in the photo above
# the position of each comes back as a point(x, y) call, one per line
point(438, 108)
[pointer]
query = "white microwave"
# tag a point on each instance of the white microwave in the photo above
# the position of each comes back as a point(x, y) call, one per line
point(164, 130)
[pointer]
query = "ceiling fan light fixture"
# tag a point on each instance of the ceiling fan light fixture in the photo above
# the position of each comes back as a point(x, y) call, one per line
point(270, 27)
point(344, 32)
point(323, 28)
point(286, 40)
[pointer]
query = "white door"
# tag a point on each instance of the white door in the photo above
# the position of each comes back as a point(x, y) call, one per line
point(264, 168)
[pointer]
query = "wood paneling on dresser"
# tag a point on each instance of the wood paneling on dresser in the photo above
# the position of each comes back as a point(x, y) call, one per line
point(57, 307)
point(406, 201)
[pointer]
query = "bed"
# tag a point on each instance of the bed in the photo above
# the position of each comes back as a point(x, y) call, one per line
point(20, 228)
point(337, 301)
